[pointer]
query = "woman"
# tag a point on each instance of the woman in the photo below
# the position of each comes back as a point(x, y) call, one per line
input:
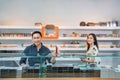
point(92, 49)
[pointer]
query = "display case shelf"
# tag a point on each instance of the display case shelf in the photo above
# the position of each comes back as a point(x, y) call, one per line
point(63, 38)
point(84, 38)
point(64, 27)
point(61, 49)
point(89, 28)
point(20, 27)
point(15, 38)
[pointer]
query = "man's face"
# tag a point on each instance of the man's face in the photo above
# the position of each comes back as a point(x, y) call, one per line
point(36, 39)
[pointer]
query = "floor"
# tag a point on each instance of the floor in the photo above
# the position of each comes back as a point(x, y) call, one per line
point(58, 79)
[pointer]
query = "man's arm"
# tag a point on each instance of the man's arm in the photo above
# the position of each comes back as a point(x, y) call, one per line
point(53, 60)
point(22, 61)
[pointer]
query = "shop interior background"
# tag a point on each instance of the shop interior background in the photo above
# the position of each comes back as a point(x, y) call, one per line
point(58, 12)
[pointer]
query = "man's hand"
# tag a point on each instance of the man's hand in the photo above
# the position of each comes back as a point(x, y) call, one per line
point(53, 60)
point(22, 65)
point(53, 53)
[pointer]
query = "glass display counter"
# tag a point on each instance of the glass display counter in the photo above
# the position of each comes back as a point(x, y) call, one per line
point(65, 66)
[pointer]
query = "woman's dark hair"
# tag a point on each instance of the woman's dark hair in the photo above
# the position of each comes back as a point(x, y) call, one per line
point(95, 41)
point(36, 32)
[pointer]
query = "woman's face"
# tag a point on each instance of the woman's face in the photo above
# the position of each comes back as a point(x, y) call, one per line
point(37, 39)
point(90, 39)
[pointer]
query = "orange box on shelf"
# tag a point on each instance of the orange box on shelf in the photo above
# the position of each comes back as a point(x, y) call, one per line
point(50, 32)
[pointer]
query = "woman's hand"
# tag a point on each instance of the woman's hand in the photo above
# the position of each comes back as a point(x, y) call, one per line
point(84, 60)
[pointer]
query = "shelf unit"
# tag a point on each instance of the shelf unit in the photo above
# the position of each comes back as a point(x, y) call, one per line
point(62, 40)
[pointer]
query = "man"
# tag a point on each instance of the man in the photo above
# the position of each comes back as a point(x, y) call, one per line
point(36, 50)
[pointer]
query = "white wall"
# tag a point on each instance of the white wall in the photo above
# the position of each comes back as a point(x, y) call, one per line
point(59, 12)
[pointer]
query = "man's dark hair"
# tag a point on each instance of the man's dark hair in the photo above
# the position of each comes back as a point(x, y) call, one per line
point(36, 32)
